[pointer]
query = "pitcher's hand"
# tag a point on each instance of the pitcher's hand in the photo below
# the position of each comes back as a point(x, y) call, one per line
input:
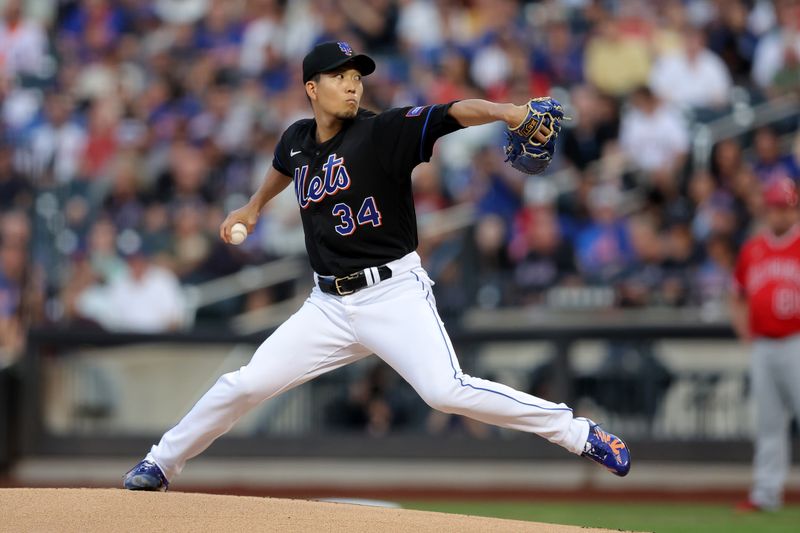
point(247, 215)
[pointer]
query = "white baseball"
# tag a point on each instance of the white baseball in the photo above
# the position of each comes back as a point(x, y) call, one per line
point(238, 233)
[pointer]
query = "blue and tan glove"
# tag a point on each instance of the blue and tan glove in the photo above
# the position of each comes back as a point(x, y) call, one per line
point(528, 152)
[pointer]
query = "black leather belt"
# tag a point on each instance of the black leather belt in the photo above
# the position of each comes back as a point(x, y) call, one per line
point(354, 282)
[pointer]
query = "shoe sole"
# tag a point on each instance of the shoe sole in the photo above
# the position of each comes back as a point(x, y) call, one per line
point(142, 482)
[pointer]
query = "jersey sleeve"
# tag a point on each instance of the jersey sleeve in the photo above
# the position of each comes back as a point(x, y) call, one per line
point(280, 156)
point(404, 137)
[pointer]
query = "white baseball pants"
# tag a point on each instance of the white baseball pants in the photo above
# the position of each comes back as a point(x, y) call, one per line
point(775, 373)
point(397, 320)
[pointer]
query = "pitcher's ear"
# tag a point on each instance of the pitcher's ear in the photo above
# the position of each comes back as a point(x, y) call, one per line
point(311, 90)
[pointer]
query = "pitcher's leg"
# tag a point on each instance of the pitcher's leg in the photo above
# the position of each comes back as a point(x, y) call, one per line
point(311, 342)
point(407, 333)
point(771, 459)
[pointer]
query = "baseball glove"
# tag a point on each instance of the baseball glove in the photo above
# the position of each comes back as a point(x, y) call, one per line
point(526, 153)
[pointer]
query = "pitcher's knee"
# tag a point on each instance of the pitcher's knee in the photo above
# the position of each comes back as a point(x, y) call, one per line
point(246, 387)
point(445, 400)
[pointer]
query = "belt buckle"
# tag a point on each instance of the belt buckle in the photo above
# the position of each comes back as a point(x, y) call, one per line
point(345, 278)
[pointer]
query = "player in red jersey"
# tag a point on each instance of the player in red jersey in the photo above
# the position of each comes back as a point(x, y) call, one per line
point(765, 309)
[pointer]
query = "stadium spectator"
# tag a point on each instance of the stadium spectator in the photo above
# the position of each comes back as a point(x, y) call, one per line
point(124, 203)
point(733, 41)
point(542, 257)
point(645, 275)
point(58, 142)
point(15, 229)
point(777, 56)
point(747, 198)
point(12, 328)
point(15, 190)
point(219, 33)
point(419, 26)
point(262, 38)
point(726, 162)
point(102, 251)
point(147, 298)
point(653, 135)
point(19, 106)
point(558, 61)
point(594, 129)
point(673, 19)
point(186, 180)
point(155, 229)
point(493, 189)
point(714, 208)
point(428, 197)
point(492, 260)
point(20, 288)
point(180, 11)
point(374, 22)
point(603, 249)
point(452, 81)
point(770, 162)
point(82, 295)
point(191, 244)
point(23, 43)
point(12, 267)
point(706, 81)
point(101, 137)
point(492, 65)
point(711, 283)
point(616, 63)
point(680, 259)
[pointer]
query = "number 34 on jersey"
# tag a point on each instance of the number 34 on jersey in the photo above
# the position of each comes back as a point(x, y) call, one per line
point(367, 214)
point(334, 179)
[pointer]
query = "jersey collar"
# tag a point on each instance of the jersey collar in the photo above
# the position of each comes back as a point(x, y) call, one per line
point(310, 142)
point(784, 240)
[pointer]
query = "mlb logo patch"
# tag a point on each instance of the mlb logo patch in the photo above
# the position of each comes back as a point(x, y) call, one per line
point(345, 48)
point(415, 111)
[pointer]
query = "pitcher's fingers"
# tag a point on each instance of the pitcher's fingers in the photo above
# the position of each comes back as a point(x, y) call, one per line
point(542, 134)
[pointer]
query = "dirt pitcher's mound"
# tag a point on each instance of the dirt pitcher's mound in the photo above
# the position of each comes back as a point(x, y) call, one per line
point(67, 510)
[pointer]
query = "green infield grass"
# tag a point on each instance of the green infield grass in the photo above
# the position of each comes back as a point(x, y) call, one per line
point(660, 518)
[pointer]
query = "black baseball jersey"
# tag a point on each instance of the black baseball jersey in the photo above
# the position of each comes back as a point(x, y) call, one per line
point(354, 190)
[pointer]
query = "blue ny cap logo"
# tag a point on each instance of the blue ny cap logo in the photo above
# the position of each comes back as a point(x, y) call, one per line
point(345, 48)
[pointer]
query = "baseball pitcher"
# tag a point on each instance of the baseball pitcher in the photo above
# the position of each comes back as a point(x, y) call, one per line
point(351, 173)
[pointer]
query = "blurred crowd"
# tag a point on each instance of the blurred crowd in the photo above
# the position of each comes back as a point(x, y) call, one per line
point(129, 128)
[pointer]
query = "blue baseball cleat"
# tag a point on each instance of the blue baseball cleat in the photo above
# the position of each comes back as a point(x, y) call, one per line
point(145, 476)
point(608, 450)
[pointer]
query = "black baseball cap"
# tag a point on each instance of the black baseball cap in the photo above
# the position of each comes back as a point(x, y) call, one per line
point(331, 55)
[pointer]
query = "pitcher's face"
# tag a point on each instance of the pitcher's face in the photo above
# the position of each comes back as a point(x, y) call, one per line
point(337, 93)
